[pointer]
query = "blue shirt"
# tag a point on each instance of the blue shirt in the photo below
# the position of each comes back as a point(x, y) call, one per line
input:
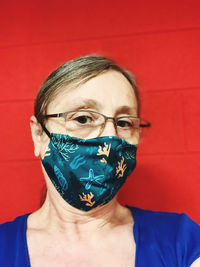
point(162, 239)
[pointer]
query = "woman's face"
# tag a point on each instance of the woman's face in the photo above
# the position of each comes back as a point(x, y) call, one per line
point(109, 93)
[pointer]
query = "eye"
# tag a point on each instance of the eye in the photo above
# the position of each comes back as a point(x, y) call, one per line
point(124, 123)
point(83, 119)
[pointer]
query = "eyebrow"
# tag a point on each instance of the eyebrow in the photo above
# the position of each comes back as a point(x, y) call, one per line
point(91, 103)
point(87, 103)
point(127, 109)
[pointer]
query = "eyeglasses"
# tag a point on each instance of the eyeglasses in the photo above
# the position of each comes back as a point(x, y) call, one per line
point(90, 124)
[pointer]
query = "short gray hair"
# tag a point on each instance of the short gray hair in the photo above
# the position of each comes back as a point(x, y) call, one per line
point(74, 73)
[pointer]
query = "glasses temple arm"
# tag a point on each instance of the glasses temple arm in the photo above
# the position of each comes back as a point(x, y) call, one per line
point(45, 130)
point(148, 124)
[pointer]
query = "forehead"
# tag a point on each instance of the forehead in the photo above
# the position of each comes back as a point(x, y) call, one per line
point(108, 92)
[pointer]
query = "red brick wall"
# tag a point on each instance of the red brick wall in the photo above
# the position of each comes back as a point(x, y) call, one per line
point(157, 40)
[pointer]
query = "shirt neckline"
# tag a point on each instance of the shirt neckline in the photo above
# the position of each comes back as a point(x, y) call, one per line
point(135, 235)
point(25, 240)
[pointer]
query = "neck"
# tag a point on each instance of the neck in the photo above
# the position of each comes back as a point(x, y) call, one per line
point(57, 215)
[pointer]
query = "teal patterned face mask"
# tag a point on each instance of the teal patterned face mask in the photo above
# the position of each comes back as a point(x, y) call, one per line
point(88, 173)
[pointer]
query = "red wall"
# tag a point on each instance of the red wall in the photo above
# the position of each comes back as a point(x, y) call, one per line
point(157, 40)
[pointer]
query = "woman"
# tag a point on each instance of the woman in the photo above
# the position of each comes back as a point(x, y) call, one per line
point(86, 131)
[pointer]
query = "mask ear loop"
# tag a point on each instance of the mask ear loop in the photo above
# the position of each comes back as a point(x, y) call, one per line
point(48, 134)
point(45, 130)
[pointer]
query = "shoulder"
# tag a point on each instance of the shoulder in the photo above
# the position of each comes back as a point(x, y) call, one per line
point(13, 225)
point(13, 248)
point(174, 231)
point(174, 222)
point(11, 232)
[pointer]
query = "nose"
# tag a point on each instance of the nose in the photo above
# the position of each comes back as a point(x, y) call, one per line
point(109, 129)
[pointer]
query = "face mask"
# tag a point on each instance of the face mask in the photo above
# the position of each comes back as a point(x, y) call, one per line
point(88, 173)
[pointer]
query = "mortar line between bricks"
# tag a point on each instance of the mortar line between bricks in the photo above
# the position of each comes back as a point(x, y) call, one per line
point(16, 100)
point(153, 32)
point(185, 140)
point(142, 92)
point(150, 91)
point(167, 154)
point(18, 160)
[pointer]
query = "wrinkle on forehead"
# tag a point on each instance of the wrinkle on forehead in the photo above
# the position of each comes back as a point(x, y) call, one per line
point(107, 93)
point(87, 103)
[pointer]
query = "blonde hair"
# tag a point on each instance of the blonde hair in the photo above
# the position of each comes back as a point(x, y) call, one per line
point(74, 73)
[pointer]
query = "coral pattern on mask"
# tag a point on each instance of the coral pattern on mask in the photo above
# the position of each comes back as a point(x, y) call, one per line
point(88, 173)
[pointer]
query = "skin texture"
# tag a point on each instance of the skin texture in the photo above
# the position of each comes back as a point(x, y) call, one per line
point(61, 235)
point(196, 263)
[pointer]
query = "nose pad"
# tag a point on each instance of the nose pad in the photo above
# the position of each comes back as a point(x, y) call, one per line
point(109, 129)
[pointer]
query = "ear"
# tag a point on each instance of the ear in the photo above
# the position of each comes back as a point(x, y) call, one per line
point(37, 132)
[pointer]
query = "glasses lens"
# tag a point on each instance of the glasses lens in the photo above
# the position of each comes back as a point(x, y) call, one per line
point(83, 124)
point(88, 124)
point(128, 128)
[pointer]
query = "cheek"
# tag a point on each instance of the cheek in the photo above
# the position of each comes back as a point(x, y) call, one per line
point(56, 126)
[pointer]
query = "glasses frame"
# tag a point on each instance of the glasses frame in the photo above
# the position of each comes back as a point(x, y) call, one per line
point(144, 124)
